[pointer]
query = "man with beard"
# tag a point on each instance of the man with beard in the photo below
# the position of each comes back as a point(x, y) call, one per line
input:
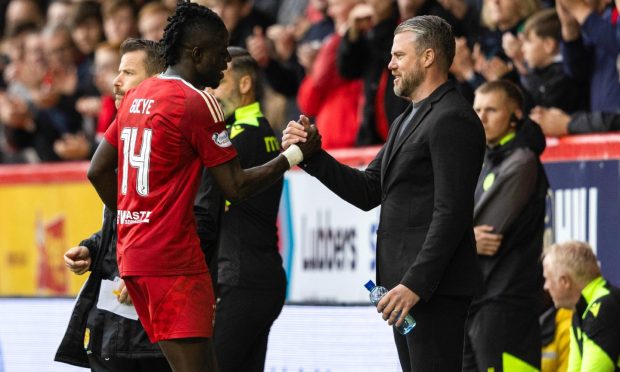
point(424, 178)
point(165, 130)
point(98, 339)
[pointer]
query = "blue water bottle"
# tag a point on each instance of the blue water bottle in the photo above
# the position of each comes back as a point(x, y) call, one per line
point(376, 293)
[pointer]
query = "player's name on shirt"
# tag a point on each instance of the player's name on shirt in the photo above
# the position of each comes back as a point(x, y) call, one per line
point(141, 106)
point(124, 217)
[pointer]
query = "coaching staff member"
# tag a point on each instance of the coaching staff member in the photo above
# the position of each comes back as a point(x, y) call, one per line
point(424, 178)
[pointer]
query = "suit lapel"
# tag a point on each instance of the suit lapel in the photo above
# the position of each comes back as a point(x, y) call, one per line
point(413, 125)
point(394, 129)
point(394, 141)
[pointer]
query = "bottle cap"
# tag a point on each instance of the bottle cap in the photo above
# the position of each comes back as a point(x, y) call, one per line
point(370, 285)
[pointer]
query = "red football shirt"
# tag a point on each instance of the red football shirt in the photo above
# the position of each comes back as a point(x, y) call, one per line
point(165, 130)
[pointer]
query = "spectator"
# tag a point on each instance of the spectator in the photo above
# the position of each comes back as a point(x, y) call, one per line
point(241, 17)
point(107, 58)
point(19, 12)
point(100, 109)
point(573, 279)
point(501, 19)
point(49, 109)
point(556, 123)
point(87, 33)
point(364, 53)
point(545, 81)
point(502, 329)
point(119, 20)
point(152, 20)
point(59, 12)
point(335, 102)
point(590, 47)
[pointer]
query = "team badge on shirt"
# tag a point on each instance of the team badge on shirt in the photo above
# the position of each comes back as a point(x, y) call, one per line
point(221, 139)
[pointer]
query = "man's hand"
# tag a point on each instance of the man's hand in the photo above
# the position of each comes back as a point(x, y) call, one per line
point(395, 305)
point(122, 294)
point(580, 9)
point(258, 47)
point(78, 260)
point(552, 121)
point(300, 132)
point(463, 64)
point(312, 142)
point(570, 26)
point(487, 243)
point(360, 21)
point(72, 147)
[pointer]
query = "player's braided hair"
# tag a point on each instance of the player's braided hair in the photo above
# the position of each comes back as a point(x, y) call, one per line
point(188, 20)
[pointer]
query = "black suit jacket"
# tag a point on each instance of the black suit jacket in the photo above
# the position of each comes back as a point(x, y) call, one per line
point(424, 180)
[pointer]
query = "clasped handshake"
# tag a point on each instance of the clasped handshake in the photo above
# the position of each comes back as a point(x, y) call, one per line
point(300, 140)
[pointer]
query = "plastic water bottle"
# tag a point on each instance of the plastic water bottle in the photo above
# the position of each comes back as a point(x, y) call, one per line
point(376, 293)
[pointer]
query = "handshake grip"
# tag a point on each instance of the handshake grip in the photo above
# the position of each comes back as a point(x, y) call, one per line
point(301, 141)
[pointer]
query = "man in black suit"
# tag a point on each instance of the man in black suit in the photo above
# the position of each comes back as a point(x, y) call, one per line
point(424, 179)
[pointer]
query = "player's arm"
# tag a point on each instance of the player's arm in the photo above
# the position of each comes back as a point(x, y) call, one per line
point(237, 183)
point(102, 173)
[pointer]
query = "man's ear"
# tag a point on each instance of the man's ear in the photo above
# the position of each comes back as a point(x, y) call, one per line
point(245, 84)
point(196, 55)
point(428, 57)
point(565, 281)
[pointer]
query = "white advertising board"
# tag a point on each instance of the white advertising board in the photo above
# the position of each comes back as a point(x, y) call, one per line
point(331, 244)
point(303, 338)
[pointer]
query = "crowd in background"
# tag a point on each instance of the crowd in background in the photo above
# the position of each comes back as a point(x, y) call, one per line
point(323, 58)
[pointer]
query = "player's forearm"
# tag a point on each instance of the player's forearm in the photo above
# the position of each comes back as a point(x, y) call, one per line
point(238, 184)
point(259, 178)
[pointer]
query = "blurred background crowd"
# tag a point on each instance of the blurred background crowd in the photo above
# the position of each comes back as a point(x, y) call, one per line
point(323, 58)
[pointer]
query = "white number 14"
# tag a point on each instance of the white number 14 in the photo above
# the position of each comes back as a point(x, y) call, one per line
point(140, 161)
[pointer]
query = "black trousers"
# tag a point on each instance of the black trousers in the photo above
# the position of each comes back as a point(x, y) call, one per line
point(436, 342)
point(99, 364)
point(502, 336)
point(243, 319)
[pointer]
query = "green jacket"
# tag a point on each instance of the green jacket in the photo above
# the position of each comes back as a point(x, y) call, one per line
point(595, 336)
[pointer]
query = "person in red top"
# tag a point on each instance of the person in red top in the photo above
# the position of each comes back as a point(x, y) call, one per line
point(326, 95)
point(165, 129)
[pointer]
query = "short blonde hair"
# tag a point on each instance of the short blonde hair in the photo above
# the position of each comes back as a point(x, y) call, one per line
point(575, 258)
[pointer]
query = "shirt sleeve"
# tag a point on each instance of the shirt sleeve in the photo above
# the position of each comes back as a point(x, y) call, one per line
point(204, 129)
point(111, 134)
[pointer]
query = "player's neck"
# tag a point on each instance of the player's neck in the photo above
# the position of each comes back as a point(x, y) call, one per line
point(180, 73)
point(172, 72)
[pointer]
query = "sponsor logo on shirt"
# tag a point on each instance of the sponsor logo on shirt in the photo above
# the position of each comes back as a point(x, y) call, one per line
point(221, 139)
point(130, 218)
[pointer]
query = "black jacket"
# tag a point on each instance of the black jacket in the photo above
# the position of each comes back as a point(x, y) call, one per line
point(424, 181)
point(510, 196)
point(110, 335)
point(593, 122)
point(248, 247)
point(552, 87)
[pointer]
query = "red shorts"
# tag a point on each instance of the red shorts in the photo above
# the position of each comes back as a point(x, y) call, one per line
point(172, 307)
